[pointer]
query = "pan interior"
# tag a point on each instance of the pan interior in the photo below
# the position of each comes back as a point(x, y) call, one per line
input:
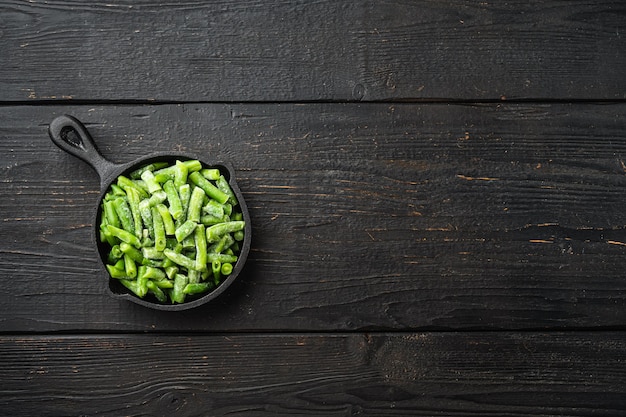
point(115, 286)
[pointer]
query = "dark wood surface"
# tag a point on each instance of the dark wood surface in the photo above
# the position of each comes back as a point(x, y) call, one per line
point(436, 191)
point(460, 374)
point(321, 50)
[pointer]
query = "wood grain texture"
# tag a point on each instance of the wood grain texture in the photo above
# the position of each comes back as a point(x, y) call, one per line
point(429, 374)
point(371, 216)
point(302, 50)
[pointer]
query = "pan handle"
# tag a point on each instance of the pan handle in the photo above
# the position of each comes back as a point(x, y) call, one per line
point(69, 134)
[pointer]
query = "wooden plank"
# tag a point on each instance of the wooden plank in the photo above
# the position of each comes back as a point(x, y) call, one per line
point(370, 216)
point(302, 50)
point(460, 374)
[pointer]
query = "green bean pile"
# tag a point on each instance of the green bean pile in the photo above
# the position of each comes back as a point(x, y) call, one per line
point(171, 230)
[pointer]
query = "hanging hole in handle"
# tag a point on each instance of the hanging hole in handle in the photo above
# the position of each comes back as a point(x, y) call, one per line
point(71, 137)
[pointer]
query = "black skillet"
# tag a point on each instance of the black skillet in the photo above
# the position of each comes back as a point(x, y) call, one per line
point(69, 134)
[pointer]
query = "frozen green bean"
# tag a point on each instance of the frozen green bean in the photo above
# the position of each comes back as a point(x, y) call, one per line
point(124, 236)
point(133, 202)
point(216, 267)
point(213, 208)
point(210, 173)
point(116, 273)
point(210, 189)
point(177, 294)
point(129, 266)
point(223, 185)
point(151, 272)
point(127, 184)
point(213, 233)
point(184, 192)
point(227, 268)
point(184, 230)
point(166, 216)
point(180, 259)
point(197, 288)
point(176, 208)
point(109, 214)
point(151, 181)
point(159, 230)
point(131, 251)
point(151, 252)
point(221, 257)
point(195, 204)
point(201, 247)
point(122, 209)
point(180, 174)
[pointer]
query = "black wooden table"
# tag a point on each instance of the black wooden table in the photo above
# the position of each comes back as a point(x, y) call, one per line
point(437, 192)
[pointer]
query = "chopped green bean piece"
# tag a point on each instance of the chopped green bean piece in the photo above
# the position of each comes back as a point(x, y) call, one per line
point(109, 214)
point(213, 233)
point(116, 191)
point(159, 230)
point(210, 173)
point(193, 276)
point(133, 202)
point(119, 264)
point(227, 268)
point(122, 209)
point(127, 184)
point(221, 257)
point(216, 267)
point(210, 220)
point(197, 288)
point(184, 192)
point(228, 210)
point(193, 165)
point(201, 247)
point(195, 205)
point(180, 174)
point(180, 259)
point(142, 281)
point(165, 283)
point(146, 215)
point(210, 189)
point(238, 235)
point(154, 273)
point(130, 267)
point(111, 257)
point(116, 273)
point(171, 271)
point(189, 242)
point(162, 178)
point(213, 208)
point(176, 294)
point(131, 251)
point(166, 216)
point(116, 252)
point(176, 208)
point(185, 230)
point(223, 185)
point(158, 197)
point(151, 182)
point(151, 252)
point(124, 236)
